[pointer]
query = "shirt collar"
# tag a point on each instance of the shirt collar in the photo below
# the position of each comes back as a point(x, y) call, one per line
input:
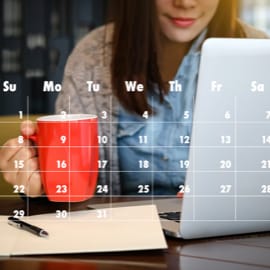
point(197, 43)
point(194, 51)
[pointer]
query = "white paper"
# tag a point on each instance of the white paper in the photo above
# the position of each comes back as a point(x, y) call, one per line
point(102, 230)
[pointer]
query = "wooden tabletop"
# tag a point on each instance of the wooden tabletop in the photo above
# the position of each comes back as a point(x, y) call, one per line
point(239, 252)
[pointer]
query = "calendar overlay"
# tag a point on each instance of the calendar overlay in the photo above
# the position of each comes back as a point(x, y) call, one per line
point(229, 149)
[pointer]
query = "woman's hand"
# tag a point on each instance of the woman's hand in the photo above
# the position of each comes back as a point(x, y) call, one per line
point(19, 162)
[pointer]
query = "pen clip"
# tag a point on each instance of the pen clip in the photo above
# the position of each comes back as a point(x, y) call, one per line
point(15, 222)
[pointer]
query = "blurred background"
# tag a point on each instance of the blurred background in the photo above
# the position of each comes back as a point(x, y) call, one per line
point(38, 35)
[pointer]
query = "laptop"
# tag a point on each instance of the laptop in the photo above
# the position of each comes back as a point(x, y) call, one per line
point(228, 179)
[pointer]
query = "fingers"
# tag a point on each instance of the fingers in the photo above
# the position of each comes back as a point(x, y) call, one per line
point(28, 177)
point(10, 148)
point(33, 187)
point(26, 174)
point(19, 164)
point(28, 128)
point(180, 195)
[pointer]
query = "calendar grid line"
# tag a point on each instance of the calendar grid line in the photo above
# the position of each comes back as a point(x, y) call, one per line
point(152, 157)
point(151, 171)
point(193, 162)
point(27, 116)
point(154, 146)
point(235, 157)
point(111, 174)
point(266, 196)
point(227, 122)
point(69, 153)
point(110, 217)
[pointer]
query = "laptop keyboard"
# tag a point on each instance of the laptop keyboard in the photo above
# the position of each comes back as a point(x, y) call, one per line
point(174, 216)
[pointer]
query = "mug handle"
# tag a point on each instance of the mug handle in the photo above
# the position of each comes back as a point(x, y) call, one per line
point(33, 138)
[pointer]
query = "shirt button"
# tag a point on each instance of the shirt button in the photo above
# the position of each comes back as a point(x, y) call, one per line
point(165, 158)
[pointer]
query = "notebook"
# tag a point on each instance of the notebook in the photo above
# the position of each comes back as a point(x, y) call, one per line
point(106, 230)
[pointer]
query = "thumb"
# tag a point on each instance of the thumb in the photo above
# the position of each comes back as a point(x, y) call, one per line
point(28, 128)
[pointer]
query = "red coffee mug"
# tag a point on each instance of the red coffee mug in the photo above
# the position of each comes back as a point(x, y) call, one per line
point(68, 156)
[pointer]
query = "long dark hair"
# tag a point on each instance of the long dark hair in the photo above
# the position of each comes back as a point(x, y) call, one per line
point(136, 44)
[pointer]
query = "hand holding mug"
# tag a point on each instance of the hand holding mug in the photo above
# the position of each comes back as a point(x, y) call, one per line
point(19, 162)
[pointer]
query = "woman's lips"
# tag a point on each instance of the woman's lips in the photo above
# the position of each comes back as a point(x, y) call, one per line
point(183, 22)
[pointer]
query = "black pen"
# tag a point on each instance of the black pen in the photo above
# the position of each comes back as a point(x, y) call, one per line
point(27, 227)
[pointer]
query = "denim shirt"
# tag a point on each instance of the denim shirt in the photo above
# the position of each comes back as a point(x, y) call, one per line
point(153, 151)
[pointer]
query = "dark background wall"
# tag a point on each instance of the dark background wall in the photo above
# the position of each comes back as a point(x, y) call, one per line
point(36, 37)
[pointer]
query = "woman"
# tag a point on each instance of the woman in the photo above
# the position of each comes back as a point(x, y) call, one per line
point(146, 63)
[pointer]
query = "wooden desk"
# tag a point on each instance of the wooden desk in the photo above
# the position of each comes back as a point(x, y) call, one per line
point(238, 252)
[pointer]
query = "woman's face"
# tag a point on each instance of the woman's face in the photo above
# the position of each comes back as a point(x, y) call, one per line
point(183, 20)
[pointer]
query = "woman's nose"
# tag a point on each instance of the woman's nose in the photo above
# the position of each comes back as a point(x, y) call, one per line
point(184, 3)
